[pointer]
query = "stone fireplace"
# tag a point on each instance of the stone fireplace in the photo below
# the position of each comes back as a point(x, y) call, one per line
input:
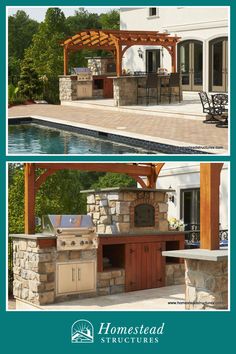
point(119, 210)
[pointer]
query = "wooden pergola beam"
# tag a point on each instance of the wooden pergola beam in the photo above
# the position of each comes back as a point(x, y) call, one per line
point(117, 39)
point(209, 205)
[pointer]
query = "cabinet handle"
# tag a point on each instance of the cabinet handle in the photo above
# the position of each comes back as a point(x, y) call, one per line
point(78, 274)
point(73, 273)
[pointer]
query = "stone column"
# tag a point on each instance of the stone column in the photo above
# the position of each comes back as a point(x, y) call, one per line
point(34, 270)
point(68, 88)
point(206, 284)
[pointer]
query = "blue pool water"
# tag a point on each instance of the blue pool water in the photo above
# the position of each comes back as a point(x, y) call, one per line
point(36, 139)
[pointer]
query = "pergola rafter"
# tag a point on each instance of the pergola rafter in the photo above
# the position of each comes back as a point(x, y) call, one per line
point(118, 41)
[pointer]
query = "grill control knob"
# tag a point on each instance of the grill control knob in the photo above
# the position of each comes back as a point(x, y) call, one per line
point(72, 243)
point(63, 243)
point(91, 242)
point(82, 243)
point(86, 242)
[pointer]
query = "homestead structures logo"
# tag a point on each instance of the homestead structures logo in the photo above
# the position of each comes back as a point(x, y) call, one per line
point(82, 332)
point(110, 334)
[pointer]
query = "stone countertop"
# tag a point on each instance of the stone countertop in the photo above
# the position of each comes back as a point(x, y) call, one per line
point(40, 236)
point(143, 233)
point(200, 254)
point(127, 189)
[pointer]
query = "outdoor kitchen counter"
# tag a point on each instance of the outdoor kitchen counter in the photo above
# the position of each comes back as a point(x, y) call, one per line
point(128, 88)
point(40, 240)
point(34, 236)
point(141, 233)
point(142, 237)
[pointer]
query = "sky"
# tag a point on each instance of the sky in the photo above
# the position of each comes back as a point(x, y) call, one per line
point(38, 13)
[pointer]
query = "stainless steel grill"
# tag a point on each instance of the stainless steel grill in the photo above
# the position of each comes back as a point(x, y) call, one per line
point(74, 232)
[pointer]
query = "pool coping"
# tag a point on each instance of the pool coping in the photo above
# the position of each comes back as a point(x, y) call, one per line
point(160, 146)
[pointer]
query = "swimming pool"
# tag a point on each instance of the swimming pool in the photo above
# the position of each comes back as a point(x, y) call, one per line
point(32, 138)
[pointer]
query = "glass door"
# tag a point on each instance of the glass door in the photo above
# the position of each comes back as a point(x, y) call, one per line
point(190, 206)
point(190, 65)
point(152, 60)
point(219, 65)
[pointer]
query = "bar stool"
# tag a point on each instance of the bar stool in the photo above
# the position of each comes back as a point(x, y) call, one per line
point(151, 83)
point(174, 81)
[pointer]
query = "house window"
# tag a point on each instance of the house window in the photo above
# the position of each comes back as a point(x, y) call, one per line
point(190, 206)
point(153, 12)
point(144, 215)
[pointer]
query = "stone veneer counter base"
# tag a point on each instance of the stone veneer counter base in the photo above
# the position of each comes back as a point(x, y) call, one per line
point(206, 278)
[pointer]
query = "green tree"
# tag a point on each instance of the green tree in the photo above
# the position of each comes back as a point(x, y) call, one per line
point(29, 84)
point(114, 180)
point(81, 20)
point(110, 20)
point(20, 33)
point(46, 52)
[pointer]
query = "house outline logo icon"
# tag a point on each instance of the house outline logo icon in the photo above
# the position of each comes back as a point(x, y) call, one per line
point(82, 332)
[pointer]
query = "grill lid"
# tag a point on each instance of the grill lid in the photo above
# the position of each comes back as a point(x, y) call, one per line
point(59, 224)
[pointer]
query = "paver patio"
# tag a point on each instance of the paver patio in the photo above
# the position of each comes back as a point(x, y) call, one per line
point(151, 299)
point(147, 126)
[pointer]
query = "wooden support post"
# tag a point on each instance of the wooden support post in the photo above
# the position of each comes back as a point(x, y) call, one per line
point(173, 59)
point(65, 60)
point(209, 205)
point(29, 198)
point(118, 60)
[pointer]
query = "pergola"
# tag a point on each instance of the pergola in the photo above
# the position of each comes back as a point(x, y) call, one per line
point(117, 42)
point(209, 190)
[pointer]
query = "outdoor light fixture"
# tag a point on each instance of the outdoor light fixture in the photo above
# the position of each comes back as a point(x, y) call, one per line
point(140, 53)
point(171, 196)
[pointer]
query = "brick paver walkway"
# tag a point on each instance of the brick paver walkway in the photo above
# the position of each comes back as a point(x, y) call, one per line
point(182, 130)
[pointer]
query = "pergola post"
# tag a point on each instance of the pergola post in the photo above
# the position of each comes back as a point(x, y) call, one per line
point(209, 205)
point(65, 60)
point(29, 169)
point(173, 58)
point(119, 60)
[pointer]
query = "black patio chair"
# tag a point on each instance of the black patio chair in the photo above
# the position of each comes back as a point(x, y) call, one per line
point(172, 84)
point(221, 100)
point(150, 86)
point(209, 108)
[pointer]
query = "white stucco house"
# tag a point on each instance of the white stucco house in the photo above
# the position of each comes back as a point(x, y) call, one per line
point(184, 203)
point(202, 53)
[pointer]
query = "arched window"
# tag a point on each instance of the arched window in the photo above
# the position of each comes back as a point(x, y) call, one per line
point(144, 215)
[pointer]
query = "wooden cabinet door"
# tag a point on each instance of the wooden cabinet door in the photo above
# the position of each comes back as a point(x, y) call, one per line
point(132, 267)
point(145, 266)
point(156, 265)
point(108, 88)
point(85, 273)
point(66, 278)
